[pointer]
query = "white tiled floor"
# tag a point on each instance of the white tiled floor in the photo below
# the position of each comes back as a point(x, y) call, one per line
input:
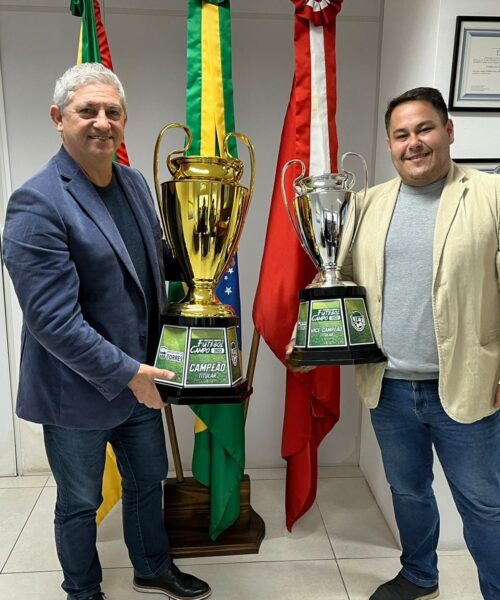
point(341, 550)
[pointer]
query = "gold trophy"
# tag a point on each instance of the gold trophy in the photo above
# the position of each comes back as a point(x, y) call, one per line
point(203, 208)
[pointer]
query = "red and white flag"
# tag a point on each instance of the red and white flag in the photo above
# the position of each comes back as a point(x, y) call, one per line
point(309, 133)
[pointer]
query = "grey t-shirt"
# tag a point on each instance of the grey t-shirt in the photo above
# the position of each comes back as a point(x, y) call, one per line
point(408, 333)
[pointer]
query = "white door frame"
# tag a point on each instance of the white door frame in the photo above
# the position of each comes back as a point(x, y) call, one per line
point(8, 426)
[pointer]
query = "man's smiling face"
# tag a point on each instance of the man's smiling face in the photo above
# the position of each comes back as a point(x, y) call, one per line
point(92, 124)
point(419, 143)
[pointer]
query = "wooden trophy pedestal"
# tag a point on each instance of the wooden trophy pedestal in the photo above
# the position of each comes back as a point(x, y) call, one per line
point(187, 517)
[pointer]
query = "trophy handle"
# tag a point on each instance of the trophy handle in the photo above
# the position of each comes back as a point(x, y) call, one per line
point(248, 196)
point(284, 196)
point(365, 169)
point(251, 152)
point(170, 167)
point(170, 164)
point(351, 179)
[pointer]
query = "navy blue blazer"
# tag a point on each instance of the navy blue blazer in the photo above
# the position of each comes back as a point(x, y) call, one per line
point(85, 318)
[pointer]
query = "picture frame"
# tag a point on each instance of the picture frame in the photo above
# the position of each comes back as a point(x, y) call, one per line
point(487, 165)
point(475, 73)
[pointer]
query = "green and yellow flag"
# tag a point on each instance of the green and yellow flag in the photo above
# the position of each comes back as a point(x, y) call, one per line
point(93, 47)
point(219, 450)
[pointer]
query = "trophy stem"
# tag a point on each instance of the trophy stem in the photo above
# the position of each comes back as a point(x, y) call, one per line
point(330, 275)
point(201, 295)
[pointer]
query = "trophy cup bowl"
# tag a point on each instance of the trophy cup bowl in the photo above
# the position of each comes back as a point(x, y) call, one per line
point(211, 168)
point(203, 209)
point(204, 220)
point(333, 327)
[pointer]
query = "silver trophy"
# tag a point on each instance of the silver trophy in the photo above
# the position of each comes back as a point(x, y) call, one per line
point(333, 325)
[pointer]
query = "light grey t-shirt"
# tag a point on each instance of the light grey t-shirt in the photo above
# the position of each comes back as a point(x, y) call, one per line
point(408, 334)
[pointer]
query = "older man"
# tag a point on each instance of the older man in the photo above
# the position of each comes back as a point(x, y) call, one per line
point(83, 246)
point(427, 250)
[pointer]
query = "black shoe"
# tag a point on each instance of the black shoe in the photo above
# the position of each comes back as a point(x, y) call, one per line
point(174, 584)
point(97, 596)
point(400, 588)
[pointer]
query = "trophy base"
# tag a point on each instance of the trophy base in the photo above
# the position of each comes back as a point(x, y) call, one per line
point(347, 356)
point(171, 394)
point(203, 354)
point(333, 328)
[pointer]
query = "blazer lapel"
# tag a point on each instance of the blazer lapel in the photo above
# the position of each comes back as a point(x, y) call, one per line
point(84, 193)
point(385, 208)
point(453, 192)
point(144, 224)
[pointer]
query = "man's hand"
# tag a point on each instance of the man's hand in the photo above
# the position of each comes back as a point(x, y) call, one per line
point(143, 386)
point(289, 347)
point(497, 397)
point(288, 351)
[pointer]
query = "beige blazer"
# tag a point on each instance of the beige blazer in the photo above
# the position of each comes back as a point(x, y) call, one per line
point(465, 287)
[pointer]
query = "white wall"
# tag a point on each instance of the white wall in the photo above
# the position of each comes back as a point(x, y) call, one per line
point(417, 50)
point(7, 439)
point(148, 38)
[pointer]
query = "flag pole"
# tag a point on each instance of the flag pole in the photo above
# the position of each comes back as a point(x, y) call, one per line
point(252, 360)
point(174, 444)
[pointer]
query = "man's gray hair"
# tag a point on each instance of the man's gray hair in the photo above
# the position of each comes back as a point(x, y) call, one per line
point(85, 74)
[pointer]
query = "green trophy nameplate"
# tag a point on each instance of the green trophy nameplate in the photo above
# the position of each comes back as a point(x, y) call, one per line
point(333, 328)
point(326, 325)
point(199, 356)
point(301, 333)
point(358, 323)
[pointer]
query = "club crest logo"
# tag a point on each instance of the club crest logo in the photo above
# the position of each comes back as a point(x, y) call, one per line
point(234, 354)
point(172, 355)
point(358, 321)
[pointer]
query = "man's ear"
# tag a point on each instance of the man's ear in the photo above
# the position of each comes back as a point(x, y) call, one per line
point(56, 116)
point(450, 129)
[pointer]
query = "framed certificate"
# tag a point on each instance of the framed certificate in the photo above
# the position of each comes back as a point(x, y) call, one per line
point(475, 73)
point(488, 165)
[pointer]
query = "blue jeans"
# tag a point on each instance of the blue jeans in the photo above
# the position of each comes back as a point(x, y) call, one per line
point(408, 421)
point(77, 460)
